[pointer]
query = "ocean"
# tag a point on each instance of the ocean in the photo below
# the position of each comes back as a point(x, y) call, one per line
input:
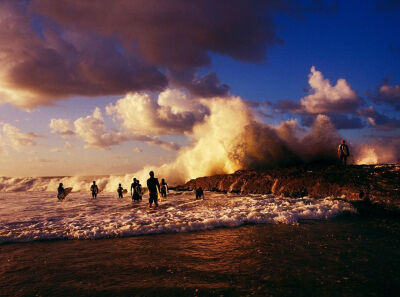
point(224, 245)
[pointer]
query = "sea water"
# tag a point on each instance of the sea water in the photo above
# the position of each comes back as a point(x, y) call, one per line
point(285, 247)
point(39, 215)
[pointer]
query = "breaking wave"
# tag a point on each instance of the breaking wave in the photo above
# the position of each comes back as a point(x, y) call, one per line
point(39, 216)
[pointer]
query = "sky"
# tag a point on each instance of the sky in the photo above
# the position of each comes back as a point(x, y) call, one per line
point(111, 87)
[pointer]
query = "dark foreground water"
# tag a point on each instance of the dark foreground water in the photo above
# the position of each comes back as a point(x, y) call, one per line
point(347, 256)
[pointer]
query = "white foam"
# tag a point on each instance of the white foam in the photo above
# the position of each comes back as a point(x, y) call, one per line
point(39, 215)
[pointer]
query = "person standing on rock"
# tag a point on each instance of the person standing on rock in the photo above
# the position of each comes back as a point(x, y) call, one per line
point(343, 152)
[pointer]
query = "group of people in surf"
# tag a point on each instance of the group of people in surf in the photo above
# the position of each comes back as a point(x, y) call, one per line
point(136, 191)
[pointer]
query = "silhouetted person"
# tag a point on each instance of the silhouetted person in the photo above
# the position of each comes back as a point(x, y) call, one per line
point(139, 189)
point(94, 190)
point(153, 186)
point(199, 193)
point(60, 191)
point(164, 188)
point(136, 190)
point(133, 185)
point(119, 191)
point(343, 152)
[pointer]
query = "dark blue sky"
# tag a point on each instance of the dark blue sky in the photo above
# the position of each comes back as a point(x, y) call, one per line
point(356, 42)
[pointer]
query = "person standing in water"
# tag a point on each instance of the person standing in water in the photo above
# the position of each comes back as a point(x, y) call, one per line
point(119, 191)
point(60, 191)
point(199, 193)
point(343, 152)
point(164, 188)
point(139, 189)
point(94, 189)
point(153, 185)
point(135, 190)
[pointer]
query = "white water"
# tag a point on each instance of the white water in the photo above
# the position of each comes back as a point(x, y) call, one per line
point(39, 215)
point(79, 183)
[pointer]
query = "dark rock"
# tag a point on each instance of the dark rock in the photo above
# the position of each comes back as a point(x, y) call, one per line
point(378, 185)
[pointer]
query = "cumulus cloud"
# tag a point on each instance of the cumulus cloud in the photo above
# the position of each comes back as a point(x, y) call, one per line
point(92, 130)
point(16, 138)
point(325, 98)
point(61, 127)
point(339, 102)
point(388, 94)
point(171, 112)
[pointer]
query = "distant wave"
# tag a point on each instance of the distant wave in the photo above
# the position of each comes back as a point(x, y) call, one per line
point(39, 216)
point(78, 183)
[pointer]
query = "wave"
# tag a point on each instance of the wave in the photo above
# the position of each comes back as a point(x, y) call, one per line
point(39, 216)
point(50, 184)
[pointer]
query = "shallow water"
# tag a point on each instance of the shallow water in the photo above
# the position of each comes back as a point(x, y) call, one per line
point(347, 256)
point(287, 247)
point(39, 215)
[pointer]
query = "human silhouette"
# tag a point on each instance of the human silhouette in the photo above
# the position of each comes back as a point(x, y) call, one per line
point(133, 185)
point(164, 188)
point(94, 189)
point(136, 190)
point(153, 185)
point(199, 193)
point(60, 191)
point(139, 189)
point(343, 152)
point(119, 191)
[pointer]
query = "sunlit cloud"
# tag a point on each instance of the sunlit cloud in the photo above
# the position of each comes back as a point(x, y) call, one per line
point(61, 127)
point(16, 138)
point(172, 112)
point(326, 98)
point(92, 130)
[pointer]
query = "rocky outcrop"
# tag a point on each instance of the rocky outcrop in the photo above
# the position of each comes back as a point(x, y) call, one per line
point(378, 184)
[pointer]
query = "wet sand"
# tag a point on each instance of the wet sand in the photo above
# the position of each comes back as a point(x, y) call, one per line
point(348, 256)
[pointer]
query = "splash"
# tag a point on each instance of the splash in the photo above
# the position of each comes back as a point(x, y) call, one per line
point(378, 152)
point(230, 139)
point(368, 156)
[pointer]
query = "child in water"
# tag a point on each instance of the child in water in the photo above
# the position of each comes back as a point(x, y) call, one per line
point(119, 191)
point(164, 188)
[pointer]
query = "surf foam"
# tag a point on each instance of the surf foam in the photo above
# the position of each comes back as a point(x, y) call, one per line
point(39, 216)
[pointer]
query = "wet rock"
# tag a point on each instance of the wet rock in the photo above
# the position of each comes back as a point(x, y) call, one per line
point(376, 184)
